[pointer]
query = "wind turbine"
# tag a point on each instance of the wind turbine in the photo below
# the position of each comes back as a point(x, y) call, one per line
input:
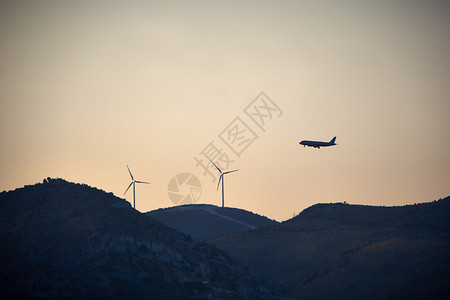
point(133, 183)
point(222, 178)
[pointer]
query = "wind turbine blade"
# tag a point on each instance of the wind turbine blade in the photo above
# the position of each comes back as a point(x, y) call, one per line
point(128, 188)
point(220, 178)
point(230, 172)
point(142, 182)
point(130, 173)
point(216, 166)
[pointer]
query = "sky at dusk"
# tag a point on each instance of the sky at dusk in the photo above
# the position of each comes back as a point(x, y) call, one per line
point(87, 87)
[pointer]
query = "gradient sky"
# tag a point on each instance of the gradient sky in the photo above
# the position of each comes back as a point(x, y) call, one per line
point(87, 87)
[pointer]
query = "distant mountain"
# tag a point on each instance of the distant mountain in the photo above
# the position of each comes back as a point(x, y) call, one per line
point(201, 221)
point(60, 240)
point(341, 251)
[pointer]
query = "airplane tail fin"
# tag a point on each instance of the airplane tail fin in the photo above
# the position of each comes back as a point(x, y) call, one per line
point(333, 140)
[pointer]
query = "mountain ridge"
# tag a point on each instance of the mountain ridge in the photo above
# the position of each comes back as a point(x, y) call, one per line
point(65, 240)
point(205, 221)
point(354, 251)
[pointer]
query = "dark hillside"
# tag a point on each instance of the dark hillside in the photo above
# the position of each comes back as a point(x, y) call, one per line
point(341, 251)
point(202, 221)
point(61, 240)
point(433, 215)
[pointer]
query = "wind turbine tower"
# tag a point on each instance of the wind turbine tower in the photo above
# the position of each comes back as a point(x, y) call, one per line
point(221, 178)
point(133, 183)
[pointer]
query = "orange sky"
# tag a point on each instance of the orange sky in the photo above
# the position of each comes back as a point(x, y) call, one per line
point(86, 89)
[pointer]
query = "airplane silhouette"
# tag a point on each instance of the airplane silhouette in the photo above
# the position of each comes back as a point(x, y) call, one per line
point(317, 144)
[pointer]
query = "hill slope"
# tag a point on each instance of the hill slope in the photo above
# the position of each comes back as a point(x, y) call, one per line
point(203, 221)
point(339, 251)
point(62, 240)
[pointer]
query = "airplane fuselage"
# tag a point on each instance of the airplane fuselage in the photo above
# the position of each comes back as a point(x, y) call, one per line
point(318, 144)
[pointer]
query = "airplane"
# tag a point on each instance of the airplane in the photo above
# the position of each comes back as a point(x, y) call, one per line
point(316, 144)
